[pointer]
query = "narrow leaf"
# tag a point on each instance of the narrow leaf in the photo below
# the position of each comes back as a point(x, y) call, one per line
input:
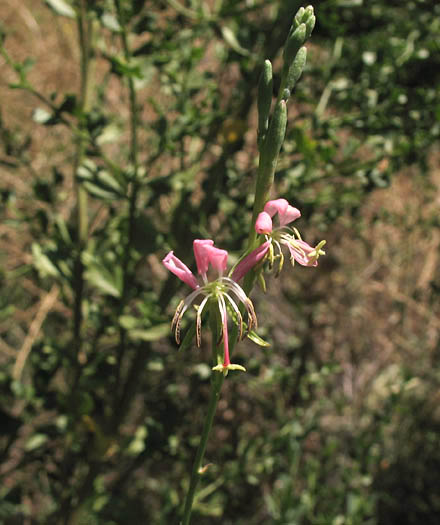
point(61, 8)
point(150, 334)
point(232, 41)
point(253, 336)
point(189, 337)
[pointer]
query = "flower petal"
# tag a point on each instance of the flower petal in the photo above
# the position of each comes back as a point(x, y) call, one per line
point(218, 258)
point(200, 247)
point(276, 206)
point(263, 223)
point(181, 270)
point(250, 261)
point(290, 215)
point(300, 251)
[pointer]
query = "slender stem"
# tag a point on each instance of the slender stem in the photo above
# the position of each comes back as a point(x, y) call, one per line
point(216, 385)
point(132, 91)
point(196, 474)
point(85, 35)
point(85, 38)
point(132, 202)
point(263, 185)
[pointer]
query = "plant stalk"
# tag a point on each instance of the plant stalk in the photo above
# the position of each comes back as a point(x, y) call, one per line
point(216, 386)
point(85, 32)
point(196, 474)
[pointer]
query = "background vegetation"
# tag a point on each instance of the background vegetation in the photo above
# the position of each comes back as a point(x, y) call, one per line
point(128, 128)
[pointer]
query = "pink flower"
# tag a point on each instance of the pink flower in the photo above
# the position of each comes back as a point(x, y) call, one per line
point(176, 266)
point(300, 251)
point(264, 223)
point(250, 261)
point(286, 212)
point(223, 290)
point(303, 253)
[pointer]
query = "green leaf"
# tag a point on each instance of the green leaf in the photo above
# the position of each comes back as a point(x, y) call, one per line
point(150, 334)
point(125, 68)
point(253, 336)
point(99, 192)
point(128, 322)
point(61, 8)
point(42, 262)
point(41, 116)
point(231, 40)
point(110, 22)
point(104, 281)
point(98, 182)
point(35, 441)
point(189, 337)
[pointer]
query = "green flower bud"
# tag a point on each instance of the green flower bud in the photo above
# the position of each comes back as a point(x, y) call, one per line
point(310, 24)
point(277, 130)
point(308, 11)
point(264, 101)
point(296, 69)
point(298, 17)
point(294, 42)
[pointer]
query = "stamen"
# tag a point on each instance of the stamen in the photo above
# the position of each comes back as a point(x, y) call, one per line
point(238, 313)
point(177, 313)
point(281, 256)
point(271, 257)
point(181, 309)
point(199, 321)
point(177, 331)
point(236, 288)
point(280, 264)
point(251, 313)
point(239, 292)
point(297, 233)
point(222, 308)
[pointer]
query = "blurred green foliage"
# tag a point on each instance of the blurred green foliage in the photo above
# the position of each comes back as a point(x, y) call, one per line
point(101, 426)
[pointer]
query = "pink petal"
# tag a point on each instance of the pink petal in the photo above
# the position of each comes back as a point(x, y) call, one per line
point(300, 251)
point(263, 223)
point(218, 258)
point(250, 261)
point(200, 247)
point(276, 206)
point(290, 215)
point(178, 268)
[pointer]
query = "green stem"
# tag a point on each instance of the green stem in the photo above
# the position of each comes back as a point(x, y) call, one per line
point(85, 39)
point(269, 151)
point(216, 385)
point(132, 205)
point(85, 34)
point(263, 185)
point(196, 474)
